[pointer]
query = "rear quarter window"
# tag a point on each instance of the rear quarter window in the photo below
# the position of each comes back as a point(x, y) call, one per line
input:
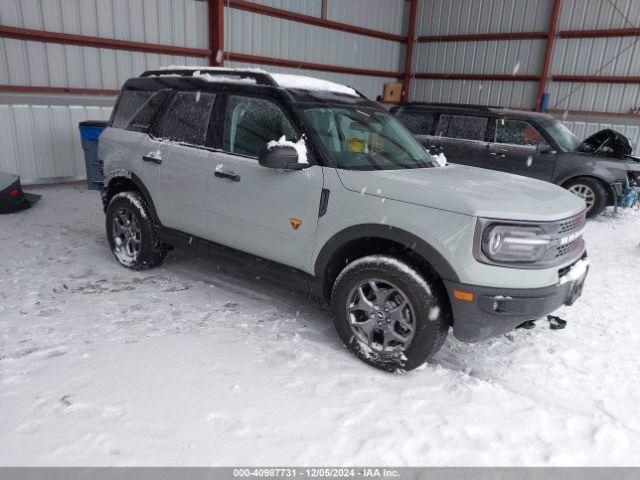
point(136, 109)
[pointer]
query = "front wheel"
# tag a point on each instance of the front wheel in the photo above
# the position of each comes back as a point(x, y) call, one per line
point(592, 192)
point(388, 315)
point(131, 232)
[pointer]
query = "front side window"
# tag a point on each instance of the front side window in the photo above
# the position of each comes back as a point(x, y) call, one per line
point(418, 123)
point(365, 139)
point(186, 119)
point(517, 132)
point(464, 127)
point(251, 123)
point(560, 133)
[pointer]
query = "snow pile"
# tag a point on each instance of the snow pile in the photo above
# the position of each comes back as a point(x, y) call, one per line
point(576, 272)
point(302, 82)
point(207, 77)
point(440, 159)
point(104, 366)
point(300, 146)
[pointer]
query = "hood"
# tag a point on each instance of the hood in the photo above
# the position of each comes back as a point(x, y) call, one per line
point(468, 190)
point(606, 143)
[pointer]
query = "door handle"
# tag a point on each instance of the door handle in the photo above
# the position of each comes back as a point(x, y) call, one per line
point(151, 159)
point(228, 175)
point(501, 155)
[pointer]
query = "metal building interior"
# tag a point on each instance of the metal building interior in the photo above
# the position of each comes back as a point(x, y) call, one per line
point(63, 61)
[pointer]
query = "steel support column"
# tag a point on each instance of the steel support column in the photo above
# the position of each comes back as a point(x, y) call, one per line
point(216, 33)
point(408, 59)
point(548, 52)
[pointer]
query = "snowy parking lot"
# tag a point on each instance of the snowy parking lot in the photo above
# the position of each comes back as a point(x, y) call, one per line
point(194, 363)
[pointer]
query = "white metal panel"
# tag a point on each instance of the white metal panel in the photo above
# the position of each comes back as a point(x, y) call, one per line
point(40, 64)
point(599, 14)
point(42, 142)
point(266, 36)
point(499, 93)
point(449, 17)
point(171, 22)
point(385, 15)
point(369, 86)
point(306, 7)
point(499, 57)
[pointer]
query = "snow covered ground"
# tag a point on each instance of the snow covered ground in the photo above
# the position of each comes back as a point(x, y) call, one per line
point(196, 364)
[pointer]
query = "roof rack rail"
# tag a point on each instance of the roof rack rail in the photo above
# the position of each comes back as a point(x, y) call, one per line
point(261, 78)
point(454, 105)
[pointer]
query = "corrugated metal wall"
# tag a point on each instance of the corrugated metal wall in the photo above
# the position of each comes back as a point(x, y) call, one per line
point(277, 38)
point(587, 56)
point(52, 120)
point(570, 57)
point(55, 151)
point(462, 17)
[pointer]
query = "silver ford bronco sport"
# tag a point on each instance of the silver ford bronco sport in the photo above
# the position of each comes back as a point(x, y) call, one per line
point(313, 185)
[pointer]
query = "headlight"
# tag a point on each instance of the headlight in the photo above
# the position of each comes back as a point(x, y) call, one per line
point(515, 243)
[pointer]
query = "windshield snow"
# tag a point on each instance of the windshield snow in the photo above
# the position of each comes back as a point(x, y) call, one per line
point(358, 138)
point(561, 134)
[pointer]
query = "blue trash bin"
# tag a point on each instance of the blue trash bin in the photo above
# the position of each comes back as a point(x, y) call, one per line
point(90, 131)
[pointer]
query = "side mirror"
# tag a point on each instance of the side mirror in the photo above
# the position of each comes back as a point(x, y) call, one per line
point(281, 157)
point(544, 148)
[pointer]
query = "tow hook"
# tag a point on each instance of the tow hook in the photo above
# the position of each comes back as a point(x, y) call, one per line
point(555, 323)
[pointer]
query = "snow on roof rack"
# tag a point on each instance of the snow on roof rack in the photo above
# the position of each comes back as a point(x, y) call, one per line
point(260, 77)
point(454, 105)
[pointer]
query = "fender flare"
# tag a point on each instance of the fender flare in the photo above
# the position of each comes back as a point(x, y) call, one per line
point(137, 181)
point(412, 242)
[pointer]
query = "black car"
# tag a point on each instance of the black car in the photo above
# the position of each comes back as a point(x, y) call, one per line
point(600, 169)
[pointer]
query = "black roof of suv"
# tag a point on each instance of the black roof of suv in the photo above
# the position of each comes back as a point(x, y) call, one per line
point(600, 168)
point(247, 80)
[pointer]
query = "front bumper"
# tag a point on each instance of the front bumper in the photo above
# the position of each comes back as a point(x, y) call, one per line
point(496, 311)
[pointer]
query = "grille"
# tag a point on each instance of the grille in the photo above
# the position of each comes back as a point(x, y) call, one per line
point(573, 224)
point(567, 249)
point(565, 228)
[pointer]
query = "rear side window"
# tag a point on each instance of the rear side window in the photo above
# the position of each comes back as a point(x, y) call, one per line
point(187, 118)
point(251, 123)
point(128, 105)
point(418, 123)
point(466, 127)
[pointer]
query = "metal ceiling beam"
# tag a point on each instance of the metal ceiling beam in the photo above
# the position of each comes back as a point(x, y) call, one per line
point(600, 33)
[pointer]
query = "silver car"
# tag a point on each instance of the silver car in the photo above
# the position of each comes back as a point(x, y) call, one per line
point(309, 183)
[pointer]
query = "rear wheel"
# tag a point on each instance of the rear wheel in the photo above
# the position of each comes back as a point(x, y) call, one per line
point(592, 192)
point(387, 314)
point(131, 233)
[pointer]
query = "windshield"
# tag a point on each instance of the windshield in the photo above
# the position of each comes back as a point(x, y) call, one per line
point(561, 134)
point(358, 138)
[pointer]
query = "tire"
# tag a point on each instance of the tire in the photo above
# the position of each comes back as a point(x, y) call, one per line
point(399, 338)
point(593, 193)
point(131, 233)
